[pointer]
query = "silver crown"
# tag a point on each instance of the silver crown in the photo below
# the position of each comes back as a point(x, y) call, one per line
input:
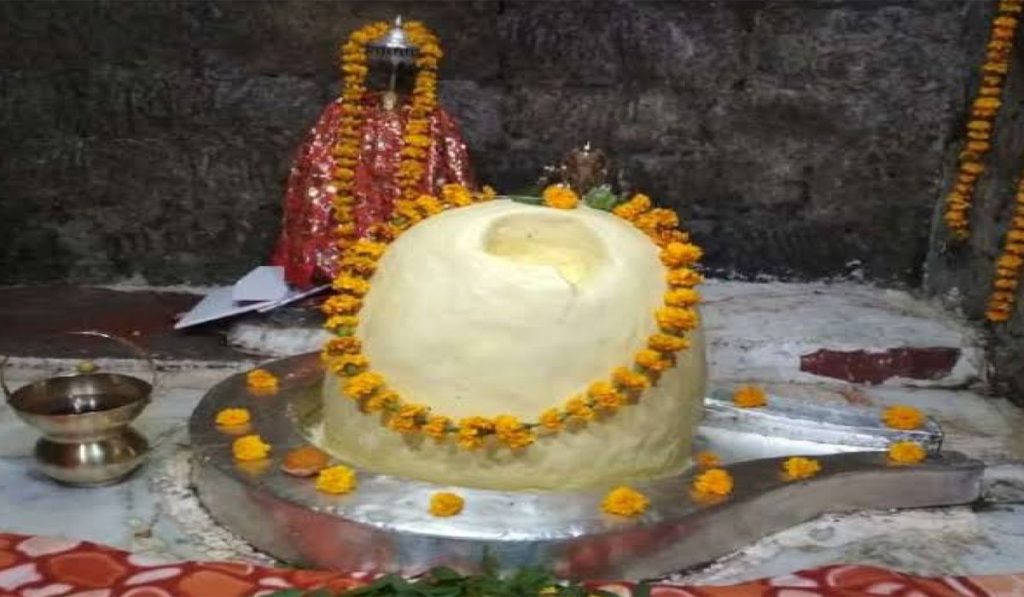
point(394, 47)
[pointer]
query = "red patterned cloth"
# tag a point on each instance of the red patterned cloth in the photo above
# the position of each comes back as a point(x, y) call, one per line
point(52, 567)
point(306, 246)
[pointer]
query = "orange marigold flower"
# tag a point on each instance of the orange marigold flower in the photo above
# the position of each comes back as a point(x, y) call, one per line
point(906, 452)
point(437, 427)
point(363, 384)
point(341, 304)
point(628, 379)
point(444, 503)
point(249, 447)
point(473, 430)
point(580, 410)
point(605, 395)
point(749, 397)
point(667, 343)
point(713, 482)
point(336, 480)
point(1010, 262)
point(232, 417)
point(683, 277)
point(631, 209)
point(456, 195)
point(560, 197)
point(347, 364)
point(351, 285)
point(674, 319)
point(511, 432)
point(382, 232)
point(384, 399)
point(682, 297)
point(625, 501)
point(341, 322)
point(429, 205)
point(708, 459)
point(903, 417)
point(358, 265)
point(652, 360)
point(551, 419)
point(409, 418)
point(261, 381)
point(677, 254)
point(343, 345)
point(799, 467)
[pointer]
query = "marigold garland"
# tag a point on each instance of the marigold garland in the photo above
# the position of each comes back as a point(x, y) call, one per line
point(416, 141)
point(343, 355)
point(625, 501)
point(984, 110)
point(1009, 264)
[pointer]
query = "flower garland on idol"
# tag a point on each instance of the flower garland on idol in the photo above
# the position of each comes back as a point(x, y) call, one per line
point(416, 141)
point(623, 386)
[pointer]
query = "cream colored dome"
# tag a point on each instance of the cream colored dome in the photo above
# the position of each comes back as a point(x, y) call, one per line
point(505, 308)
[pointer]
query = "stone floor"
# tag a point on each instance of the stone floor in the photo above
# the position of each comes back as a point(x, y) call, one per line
point(758, 332)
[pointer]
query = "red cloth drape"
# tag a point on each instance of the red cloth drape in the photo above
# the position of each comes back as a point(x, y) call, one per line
point(34, 566)
point(306, 246)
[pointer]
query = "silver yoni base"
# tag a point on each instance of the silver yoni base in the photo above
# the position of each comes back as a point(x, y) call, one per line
point(384, 526)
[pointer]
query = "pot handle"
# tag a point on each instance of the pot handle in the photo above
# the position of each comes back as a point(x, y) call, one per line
point(98, 334)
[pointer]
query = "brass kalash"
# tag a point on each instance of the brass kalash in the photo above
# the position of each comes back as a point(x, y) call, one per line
point(84, 419)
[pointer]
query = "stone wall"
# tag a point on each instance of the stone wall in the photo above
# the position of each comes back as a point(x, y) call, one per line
point(961, 273)
point(799, 138)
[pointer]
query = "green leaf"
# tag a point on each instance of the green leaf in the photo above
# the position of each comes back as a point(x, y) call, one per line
point(642, 589)
point(601, 197)
point(444, 574)
point(288, 593)
point(321, 592)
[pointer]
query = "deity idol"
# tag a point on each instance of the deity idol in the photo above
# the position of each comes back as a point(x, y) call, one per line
point(367, 150)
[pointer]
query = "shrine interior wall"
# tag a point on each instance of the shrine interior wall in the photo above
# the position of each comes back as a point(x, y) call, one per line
point(961, 273)
point(801, 139)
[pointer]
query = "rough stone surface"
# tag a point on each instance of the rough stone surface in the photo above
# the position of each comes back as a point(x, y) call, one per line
point(799, 138)
point(961, 272)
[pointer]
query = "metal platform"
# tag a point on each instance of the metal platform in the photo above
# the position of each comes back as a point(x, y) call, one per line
point(384, 526)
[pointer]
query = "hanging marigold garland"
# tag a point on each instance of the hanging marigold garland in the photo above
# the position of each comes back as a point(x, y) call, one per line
point(1009, 264)
point(416, 140)
point(984, 110)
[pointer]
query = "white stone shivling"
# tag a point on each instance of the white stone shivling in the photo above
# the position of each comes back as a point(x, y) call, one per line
point(505, 308)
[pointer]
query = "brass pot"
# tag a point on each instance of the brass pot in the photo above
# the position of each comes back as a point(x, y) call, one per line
point(84, 419)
